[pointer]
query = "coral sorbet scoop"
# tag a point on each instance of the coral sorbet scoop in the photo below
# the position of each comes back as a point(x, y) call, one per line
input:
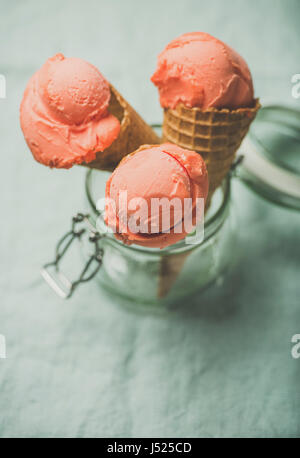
point(155, 172)
point(64, 113)
point(199, 70)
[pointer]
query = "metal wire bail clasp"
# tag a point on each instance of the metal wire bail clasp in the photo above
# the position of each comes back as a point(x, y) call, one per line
point(63, 287)
point(235, 165)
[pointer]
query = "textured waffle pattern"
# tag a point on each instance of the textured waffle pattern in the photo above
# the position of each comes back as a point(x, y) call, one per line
point(134, 133)
point(215, 134)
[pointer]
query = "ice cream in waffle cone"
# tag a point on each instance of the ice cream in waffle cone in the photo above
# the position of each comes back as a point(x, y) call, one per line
point(207, 94)
point(71, 115)
point(168, 173)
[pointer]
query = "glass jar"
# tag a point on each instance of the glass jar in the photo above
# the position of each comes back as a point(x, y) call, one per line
point(160, 278)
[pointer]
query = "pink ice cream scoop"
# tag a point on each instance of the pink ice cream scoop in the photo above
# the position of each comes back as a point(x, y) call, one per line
point(64, 113)
point(152, 174)
point(199, 70)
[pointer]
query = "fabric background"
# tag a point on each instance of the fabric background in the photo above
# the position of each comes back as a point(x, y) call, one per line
point(87, 367)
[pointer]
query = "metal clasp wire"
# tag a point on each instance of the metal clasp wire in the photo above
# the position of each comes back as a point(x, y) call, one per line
point(235, 165)
point(67, 287)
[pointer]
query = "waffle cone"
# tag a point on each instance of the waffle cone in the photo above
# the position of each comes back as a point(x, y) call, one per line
point(134, 132)
point(170, 268)
point(214, 133)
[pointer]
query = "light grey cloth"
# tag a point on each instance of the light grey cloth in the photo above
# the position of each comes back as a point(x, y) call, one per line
point(88, 367)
